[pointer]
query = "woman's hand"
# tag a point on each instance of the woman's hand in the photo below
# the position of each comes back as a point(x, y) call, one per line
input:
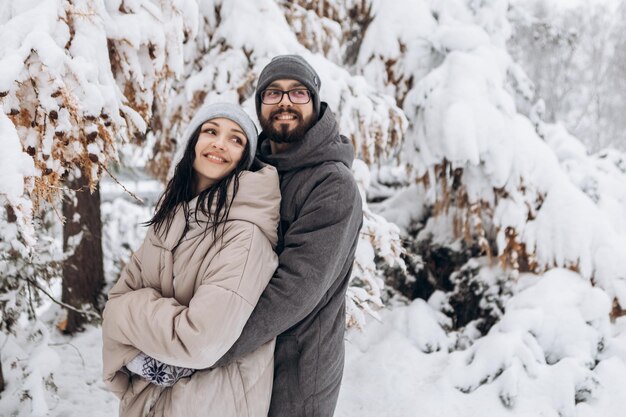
point(157, 372)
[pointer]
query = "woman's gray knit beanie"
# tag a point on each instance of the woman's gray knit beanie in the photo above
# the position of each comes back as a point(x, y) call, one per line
point(214, 111)
point(289, 67)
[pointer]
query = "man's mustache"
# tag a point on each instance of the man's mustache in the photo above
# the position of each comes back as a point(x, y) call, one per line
point(285, 110)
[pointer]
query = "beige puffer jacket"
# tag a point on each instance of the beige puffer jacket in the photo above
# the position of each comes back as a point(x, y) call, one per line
point(188, 308)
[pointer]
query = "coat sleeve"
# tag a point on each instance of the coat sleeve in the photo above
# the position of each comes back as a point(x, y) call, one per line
point(115, 356)
point(316, 247)
point(197, 335)
point(130, 278)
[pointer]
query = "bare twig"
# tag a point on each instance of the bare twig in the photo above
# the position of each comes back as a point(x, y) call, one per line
point(121, 185)
point(86, 313)
point(30, 302)
point(68, 343)
point(399, 239)
point(59, 215)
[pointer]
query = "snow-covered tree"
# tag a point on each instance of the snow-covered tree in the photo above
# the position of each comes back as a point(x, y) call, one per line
point(488, 200)
point(574, 56)
point(77, 79)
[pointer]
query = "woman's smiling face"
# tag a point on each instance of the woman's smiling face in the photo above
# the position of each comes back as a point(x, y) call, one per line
point(220, 147)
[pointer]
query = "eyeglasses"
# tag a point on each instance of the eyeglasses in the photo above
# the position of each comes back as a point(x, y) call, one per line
point(296, 96)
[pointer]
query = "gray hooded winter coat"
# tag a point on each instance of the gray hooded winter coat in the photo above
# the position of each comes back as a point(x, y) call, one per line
point(304, 303)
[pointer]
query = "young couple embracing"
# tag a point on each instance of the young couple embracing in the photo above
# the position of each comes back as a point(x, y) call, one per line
point(234, 305)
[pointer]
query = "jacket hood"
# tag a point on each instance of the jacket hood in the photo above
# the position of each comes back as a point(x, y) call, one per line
point(257, 201)
point(321, 143)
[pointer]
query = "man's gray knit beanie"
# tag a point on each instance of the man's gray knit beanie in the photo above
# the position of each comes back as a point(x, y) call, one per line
point(214, 111)
point(289, 67)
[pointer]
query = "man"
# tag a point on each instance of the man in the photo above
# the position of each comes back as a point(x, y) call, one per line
point(304, 303)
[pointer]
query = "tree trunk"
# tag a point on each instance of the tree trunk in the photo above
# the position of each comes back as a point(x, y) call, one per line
point(1, 375)
point(83, 272)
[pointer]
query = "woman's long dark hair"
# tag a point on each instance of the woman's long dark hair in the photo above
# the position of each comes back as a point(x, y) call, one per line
point(180, 190)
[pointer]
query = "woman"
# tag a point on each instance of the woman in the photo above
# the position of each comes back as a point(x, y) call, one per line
point(187, 292)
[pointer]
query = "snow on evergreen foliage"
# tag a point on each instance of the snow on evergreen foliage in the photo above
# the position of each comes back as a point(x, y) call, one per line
point(76, 80)
point(503, 233)
point(80, 77)
point(379, 240)
point(493, 187)
point(479, 157)
point(15, 220)
point(223, 62)
point(531, 335)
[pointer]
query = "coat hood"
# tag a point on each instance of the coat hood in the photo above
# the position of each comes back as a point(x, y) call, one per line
point(321, 143)
point(257, 201)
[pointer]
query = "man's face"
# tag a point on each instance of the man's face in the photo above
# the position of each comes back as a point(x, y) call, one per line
point(285, 121)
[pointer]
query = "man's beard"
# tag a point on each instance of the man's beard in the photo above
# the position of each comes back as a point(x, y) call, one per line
point(282, 133)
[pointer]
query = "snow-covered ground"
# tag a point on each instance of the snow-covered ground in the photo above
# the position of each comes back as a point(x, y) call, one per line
point(81, 390)
point(387, 372)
